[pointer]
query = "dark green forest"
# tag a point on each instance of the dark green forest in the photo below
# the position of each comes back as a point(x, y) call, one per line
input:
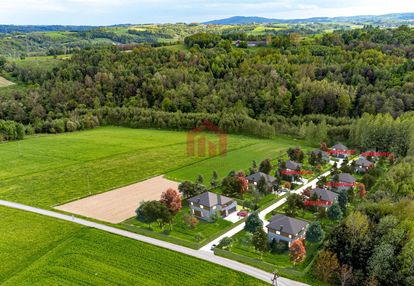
point(331, 78)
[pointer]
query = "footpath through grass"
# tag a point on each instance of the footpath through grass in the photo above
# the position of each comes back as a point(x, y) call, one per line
point(47, 170)
point(36, 250)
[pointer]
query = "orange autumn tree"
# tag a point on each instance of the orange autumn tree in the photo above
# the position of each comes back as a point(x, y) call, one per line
point(172, 200)
point(244, 184)
point(362, 190)
point(297, 251)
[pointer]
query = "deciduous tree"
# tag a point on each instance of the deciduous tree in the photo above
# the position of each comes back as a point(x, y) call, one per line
point(260, 241)
point(172, 200)
point(297, 251)
point(315, 233)
point(253, 222)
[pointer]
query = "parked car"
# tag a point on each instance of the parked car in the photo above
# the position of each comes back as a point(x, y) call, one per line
point(284, 190)
point(243, 213)
point(213, 246)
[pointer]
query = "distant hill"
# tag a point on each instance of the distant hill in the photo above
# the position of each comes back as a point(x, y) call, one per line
point(9, 29)
point(240, 20)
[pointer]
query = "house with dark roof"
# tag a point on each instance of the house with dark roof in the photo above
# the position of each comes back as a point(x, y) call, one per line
point(326, 197)
point(270, 180)
point(205, 205)
point(291, 166)
point(340, 151)
point(345, 182)
point(324, 157)
point(282, 227)
point(362, 165)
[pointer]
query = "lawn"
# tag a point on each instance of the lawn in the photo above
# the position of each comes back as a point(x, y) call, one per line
point(37, 250)
point(281, 260)
point(238, 159)
point(199, 235)
point(242, 251)
point(49, 170)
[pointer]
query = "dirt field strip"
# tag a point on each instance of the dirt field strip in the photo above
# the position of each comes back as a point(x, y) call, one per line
point(120, 204)
point(4, 82)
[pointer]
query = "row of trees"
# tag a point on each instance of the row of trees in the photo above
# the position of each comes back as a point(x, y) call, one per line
point(162, 211)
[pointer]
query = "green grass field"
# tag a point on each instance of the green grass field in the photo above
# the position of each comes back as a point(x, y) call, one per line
point(36, 250)
point(180, 230)
point(52, 169)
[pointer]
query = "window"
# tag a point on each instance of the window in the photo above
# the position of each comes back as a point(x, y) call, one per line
point(201, 206)
point(277, 232)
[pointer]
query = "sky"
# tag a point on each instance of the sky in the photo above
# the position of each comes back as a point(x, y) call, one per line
point(108, 12)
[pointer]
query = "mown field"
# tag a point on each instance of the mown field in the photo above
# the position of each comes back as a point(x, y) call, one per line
point(4, 82)
point(237, 159)
point(36, 250)
point(52, 169)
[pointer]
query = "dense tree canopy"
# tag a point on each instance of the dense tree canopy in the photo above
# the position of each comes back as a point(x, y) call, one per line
point(345, 74)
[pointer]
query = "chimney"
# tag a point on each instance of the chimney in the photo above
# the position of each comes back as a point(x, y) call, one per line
point(281, 227)
point(218, 199)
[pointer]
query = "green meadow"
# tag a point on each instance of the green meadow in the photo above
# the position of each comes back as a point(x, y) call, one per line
point(37, 250)
point(49, 170)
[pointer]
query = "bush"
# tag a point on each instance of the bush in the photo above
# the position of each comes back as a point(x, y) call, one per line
point(225, 243)
point(71, 126)
point(278, 247)
point(10, 130)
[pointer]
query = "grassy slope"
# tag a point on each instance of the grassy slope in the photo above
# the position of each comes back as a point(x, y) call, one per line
point(49, 170)
point(237, 159)
point(35, 250)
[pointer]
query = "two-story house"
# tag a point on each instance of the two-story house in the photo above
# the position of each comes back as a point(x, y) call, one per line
point(282, 227)
point(326, 198)
point(292, 170)
point(270, 180)
point(205, 205)
point(339, 151)
point(362, 165)
point(344, 183)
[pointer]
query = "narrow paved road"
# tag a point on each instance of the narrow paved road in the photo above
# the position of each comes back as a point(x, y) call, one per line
point(262, 214)
point(204, 255)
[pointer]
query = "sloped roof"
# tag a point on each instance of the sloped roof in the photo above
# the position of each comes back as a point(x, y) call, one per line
point(346, 178)
point(210, 199)
point(363, 162)
point(324, 194)
point(317, 152)
point(339, 146)
point(291, 165)
point(256, 177)
point(287, 224)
